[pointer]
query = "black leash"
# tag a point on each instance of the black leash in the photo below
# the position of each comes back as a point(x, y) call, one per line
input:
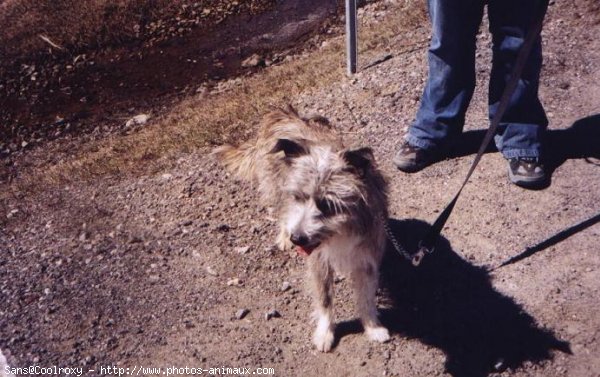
point(427, 244)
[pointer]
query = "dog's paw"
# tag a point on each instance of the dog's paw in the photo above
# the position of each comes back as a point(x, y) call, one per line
point(284, 244)
point(323, 340)
point(379, 334)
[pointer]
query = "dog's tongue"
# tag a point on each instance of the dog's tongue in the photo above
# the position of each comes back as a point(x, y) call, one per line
point(304, 251)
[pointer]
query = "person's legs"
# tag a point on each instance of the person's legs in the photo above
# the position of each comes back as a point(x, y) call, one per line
point(521, 131)
point(451, 78)
point(450, 82)
point(522, 126)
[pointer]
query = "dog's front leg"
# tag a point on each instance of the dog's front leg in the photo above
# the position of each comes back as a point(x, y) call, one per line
point(283, 239)
point(365, 280)
point(321, 286)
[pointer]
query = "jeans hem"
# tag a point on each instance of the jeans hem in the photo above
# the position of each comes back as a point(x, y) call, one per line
point(416, 142)
point(513, 153)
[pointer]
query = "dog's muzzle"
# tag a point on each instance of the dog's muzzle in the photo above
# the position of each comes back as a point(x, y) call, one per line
point(304, 246)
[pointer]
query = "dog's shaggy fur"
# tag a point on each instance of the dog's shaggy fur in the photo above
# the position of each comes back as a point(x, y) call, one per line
point(331, 203)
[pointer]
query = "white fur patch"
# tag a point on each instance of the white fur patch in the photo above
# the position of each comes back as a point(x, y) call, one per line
point(341, 252)
point(378, 334)
point(301, 217)
point(323, 337)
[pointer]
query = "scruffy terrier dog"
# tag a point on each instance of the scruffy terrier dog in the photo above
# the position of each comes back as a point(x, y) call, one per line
point(331, 203)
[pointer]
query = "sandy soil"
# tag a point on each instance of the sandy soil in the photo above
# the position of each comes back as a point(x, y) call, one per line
point(140, 271)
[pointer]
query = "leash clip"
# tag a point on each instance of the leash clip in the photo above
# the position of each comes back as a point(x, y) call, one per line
point(417, 258)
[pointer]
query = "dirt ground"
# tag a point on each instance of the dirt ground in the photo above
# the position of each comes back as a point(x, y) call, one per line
point(152, 270)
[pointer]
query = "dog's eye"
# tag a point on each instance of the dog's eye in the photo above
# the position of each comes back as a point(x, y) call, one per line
point(299, 197)
point(326, 207)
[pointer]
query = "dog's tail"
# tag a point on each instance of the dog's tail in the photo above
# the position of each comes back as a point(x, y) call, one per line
point(240, 161)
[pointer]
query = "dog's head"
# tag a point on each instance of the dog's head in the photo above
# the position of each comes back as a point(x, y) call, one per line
point(327, 191)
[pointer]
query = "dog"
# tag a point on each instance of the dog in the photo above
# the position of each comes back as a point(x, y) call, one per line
point(331, 203)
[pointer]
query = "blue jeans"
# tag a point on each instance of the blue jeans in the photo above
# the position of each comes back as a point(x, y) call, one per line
point(451, 80)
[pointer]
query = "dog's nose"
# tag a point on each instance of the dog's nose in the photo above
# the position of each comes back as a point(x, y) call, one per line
point(299, 239)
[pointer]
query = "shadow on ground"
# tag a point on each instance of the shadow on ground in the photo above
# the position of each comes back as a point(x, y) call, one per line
point(451, 304)
point(558, 237)
point(578, 141)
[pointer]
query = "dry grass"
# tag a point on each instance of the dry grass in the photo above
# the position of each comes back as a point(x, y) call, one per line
point(202, 121)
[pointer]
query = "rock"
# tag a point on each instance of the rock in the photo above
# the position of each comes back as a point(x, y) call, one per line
point(211, 271)
point(499, 365)
point(235, 282)
point(272, 314)
point(12, 213)
point(138, 120)
point(223, 228)
point(285, 286)
point(240, 314)
point(135, 239)
point(243, 249)
point(188, 323)
point(252, 61)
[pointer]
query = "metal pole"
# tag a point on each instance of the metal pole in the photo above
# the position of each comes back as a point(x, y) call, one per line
point(351, 36)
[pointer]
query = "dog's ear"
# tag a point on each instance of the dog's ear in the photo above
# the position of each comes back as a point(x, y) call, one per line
point(360, 160)
point(290, 148)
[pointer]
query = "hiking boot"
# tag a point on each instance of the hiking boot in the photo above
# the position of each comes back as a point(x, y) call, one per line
point(411, 159)
point(526, 171)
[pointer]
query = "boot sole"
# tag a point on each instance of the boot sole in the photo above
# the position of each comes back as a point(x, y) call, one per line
point(527, 182)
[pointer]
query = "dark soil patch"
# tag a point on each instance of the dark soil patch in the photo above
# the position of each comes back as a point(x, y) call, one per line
point(52, 95)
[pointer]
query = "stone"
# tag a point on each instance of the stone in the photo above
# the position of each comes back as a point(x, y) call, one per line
point(272, 314)
point(138, 120)
point(240, 314)
point(243, 249)
point(285, 286)
point(252, 61)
